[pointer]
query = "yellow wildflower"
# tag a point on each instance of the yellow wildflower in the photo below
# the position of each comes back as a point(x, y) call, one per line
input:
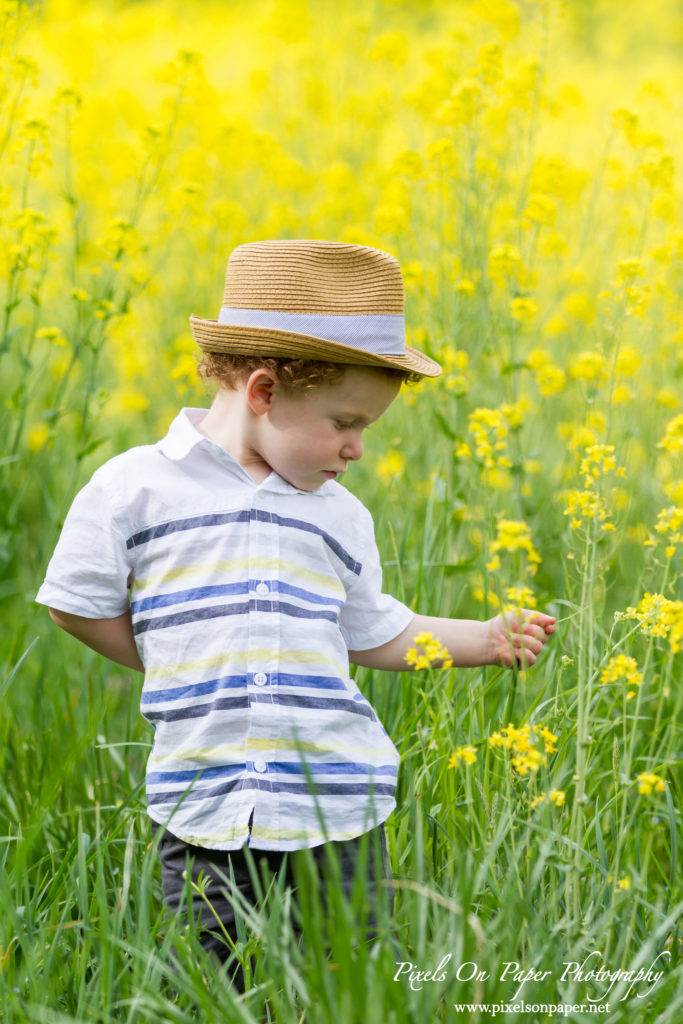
point(557, 797)
point(490, 429)
point(185, 371)
point(453, 359)
point(390, 46)
point(624, 883)
point(549, 739)
point(523, 309)
point(598, 461)
point(516, 412)
point(519, 597)
point(530, 760)
point(463, 755)
point(628, 362)
point(622, 667)
point(489, 63)
point(658, 169)
point(538, 358)
point(648, 781)
point(127, 399)
point(408, 163)
point(628, 123)
point(579, 306)
point(505, 263)
point(622, 394)
point(442, 154)
point(584, 504)
point(413, 275)
point(465, 286)
point(52, 334)
point(37, 437)
point(513, 535)
point(540, 209)
point(629, 271)
point(67, 97)
point(660, 617)
point(390, 466)
point(589, 366)
point(35, 133)
point(673, 439)
point(670, 523)
point(636, 300)
point(523, 745)
point(433, 654)
point(581, 435)
point(555, 326)
point(550, 379)
point(463, 104)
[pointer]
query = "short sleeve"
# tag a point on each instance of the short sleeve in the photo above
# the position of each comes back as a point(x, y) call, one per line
point(371, 618)
point(90, 570)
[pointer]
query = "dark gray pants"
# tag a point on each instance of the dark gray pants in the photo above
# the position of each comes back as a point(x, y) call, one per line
point(365, 857)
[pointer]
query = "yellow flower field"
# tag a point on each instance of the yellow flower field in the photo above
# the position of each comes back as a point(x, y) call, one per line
point(522, 159)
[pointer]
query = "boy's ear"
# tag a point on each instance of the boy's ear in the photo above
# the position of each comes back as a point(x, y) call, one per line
point(259, 390)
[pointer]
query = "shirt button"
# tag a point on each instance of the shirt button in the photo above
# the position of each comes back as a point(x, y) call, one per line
point(260, 766)
point(260, 678)
point(262, 588)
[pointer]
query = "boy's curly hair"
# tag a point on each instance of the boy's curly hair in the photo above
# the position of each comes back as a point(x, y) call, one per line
point(295, 374)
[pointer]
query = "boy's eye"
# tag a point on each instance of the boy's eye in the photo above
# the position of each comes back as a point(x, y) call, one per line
point(342, 425)
point(350, 425)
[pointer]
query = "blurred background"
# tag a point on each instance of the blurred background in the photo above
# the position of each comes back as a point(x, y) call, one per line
point(522, 160)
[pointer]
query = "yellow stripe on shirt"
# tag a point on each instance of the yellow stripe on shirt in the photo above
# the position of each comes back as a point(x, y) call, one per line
point(275, 565)
point(244, 657)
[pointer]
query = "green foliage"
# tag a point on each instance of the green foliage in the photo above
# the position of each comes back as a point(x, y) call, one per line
point(559, 338)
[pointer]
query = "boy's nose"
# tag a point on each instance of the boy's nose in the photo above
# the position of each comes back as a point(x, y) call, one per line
point(352, 449)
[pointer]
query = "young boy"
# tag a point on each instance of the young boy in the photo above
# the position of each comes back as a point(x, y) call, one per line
point(228, 564)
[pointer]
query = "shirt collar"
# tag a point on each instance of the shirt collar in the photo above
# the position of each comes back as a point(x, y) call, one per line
point(183, 436)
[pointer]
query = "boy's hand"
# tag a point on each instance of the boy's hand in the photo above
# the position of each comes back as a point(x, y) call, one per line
point(111, 637)
point(517, 638)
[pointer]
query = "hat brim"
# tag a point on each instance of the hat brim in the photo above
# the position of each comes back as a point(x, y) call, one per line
point(213, 336)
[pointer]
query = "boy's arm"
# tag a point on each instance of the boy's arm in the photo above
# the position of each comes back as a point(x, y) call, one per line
point(508, 639)
point(111, 637)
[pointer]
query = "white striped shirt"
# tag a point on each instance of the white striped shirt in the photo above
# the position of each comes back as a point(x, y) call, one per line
point(245, 600)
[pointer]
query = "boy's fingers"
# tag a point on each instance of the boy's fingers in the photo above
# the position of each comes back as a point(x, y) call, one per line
point(546, 622)
point(536, 631)
point(540, 618)
point(526, 633)
point(525, 658)
point(523, 643)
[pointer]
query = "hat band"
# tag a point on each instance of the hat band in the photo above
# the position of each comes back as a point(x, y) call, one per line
point(380, 333)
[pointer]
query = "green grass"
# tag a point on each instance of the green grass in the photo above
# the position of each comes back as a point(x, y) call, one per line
point(478, 874)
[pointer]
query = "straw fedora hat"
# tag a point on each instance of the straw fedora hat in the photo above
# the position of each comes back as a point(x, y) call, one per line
point(313, 300)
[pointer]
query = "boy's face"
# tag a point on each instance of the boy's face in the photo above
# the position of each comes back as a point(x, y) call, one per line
point(310, 437)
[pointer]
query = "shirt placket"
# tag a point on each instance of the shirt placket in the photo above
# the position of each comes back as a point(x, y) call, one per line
point(262, 664)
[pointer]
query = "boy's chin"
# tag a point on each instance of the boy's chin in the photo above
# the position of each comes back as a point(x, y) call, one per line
point(313, 482)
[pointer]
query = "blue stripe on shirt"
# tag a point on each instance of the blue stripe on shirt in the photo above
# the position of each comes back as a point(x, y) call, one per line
point(284, 767)
point(262, 782)
point(284, 699)
point(225, 589)
point(222, 610)
point(244, 516)
point(239, 682)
